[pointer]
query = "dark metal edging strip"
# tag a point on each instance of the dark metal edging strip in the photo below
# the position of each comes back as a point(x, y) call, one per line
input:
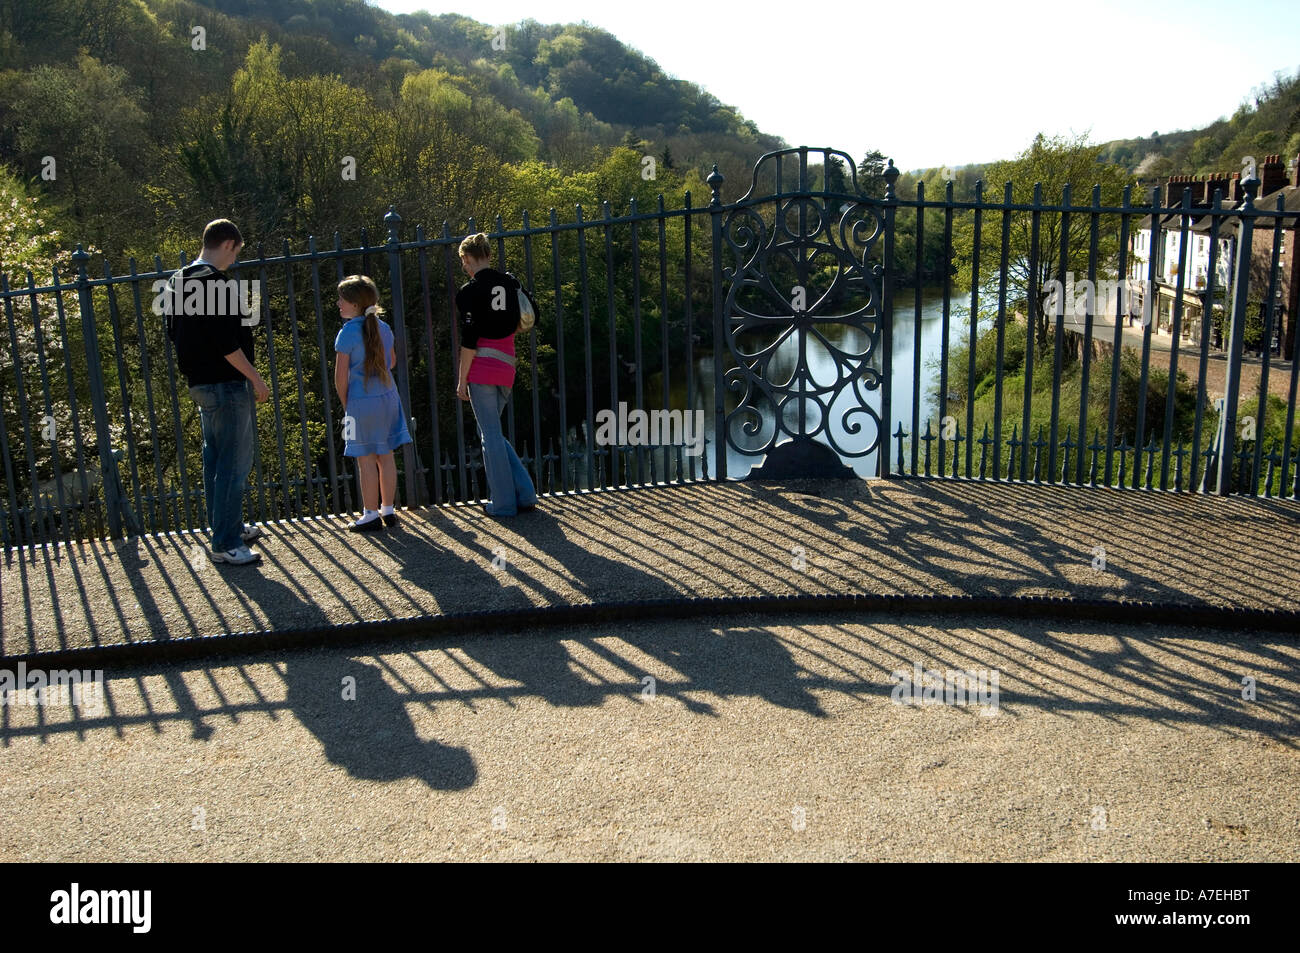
point(358, 633)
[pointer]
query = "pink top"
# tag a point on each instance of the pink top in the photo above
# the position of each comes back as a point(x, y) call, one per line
point(490, 370)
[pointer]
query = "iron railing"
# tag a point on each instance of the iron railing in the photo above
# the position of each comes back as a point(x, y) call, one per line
point(765, 316)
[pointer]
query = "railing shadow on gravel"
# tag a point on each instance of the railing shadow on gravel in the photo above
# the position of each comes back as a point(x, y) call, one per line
point(1137, 675)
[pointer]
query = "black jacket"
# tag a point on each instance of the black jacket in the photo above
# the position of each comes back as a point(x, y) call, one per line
point(203, 340)
point(478, 317)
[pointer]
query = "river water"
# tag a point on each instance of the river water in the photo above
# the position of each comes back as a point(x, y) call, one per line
point(900, 379)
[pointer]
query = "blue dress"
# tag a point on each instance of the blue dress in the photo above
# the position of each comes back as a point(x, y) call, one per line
point(379, 425)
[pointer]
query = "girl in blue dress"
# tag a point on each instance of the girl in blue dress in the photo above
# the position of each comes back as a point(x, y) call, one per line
point(373, 422)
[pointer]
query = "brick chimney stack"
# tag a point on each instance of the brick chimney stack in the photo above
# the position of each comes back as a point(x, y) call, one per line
point(1272, 175)
point(1177, 185)
point(1220, 181)
point(1294, 169)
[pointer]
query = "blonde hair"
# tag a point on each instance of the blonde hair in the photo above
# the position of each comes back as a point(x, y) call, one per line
point(476, 246)
point(360, 290)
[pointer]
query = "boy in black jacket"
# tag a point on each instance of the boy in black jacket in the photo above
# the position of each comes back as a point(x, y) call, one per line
point(212, 332)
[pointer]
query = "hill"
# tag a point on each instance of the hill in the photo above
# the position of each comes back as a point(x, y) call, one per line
point(132, 119)
point(1266, 122)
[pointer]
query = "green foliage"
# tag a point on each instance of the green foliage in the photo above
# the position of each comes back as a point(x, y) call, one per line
point(1051, 164)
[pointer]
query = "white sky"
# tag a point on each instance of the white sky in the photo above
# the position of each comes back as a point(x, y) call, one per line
point(942, 82)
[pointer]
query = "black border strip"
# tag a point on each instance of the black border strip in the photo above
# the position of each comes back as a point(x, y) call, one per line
point(1200, 615)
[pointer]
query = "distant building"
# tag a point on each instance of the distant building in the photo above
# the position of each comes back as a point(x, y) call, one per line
point(1279, 182)
point(1194, 265)
point(1276, 181)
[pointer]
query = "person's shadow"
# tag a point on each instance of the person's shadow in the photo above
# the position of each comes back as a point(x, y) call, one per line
point(727, 664)
point(361, 722)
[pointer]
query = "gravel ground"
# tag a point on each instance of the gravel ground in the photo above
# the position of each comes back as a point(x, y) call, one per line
point(710, 540)
point(770, 738)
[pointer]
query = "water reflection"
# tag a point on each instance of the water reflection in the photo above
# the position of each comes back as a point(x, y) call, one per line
point(759, 423)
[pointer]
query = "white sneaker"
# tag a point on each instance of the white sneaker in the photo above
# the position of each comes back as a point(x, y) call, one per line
point(251, 532)
point(239, 556)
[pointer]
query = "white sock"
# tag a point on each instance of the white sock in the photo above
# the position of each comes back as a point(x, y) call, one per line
point(366, 517)
point(386, 510)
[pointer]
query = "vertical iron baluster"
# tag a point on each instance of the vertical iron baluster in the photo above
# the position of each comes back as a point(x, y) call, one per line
point(916, 326)
point(59, 525)
point(82, 521)
point(1058, 344)
point(415, 490)
point(347, 478)
point(687, 316)
point(887, 320)
point(283, 511)
point(613, 334)
point(1001, 334)
point(1031, 319)
point(639, 452)
point(1121, 321)
point(36, 524)
point(532, 359)
point(183, 520)
point(1266, 351)
point(590, 435)
point(447, 254)
point(121, 516)
point(947, 317)
point(663, 327)
point(1241, 291)
point(1150, 318)
point(720, 321)
point(14, 537)
point(146, 371)
point(302, 498)
point(565, 484)
point(1175, 333)
point(1094, 225)
point(115, 324)
point(1207, 319)
point(974, 325)
point(434, 423)
point(326, 384)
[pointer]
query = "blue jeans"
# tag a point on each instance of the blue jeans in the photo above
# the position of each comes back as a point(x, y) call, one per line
point(509, 484)
point(226, 414)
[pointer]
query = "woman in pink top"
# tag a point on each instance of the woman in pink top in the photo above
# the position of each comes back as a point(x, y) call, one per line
point(488, 305)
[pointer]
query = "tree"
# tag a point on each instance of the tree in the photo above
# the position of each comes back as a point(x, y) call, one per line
point(86, 119)
point(871, 174)
point(1051, 163)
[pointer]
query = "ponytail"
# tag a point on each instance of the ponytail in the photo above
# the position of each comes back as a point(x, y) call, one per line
point(376, 359)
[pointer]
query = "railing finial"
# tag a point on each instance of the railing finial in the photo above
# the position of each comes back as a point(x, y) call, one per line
point(714, 182)
point(891, 176)
point(1250, 185)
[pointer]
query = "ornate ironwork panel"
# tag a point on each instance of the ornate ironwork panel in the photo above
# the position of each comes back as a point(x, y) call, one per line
point(802, 314)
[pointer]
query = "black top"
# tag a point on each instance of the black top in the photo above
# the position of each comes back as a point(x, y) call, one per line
point(202, 339)
point(478, 317)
